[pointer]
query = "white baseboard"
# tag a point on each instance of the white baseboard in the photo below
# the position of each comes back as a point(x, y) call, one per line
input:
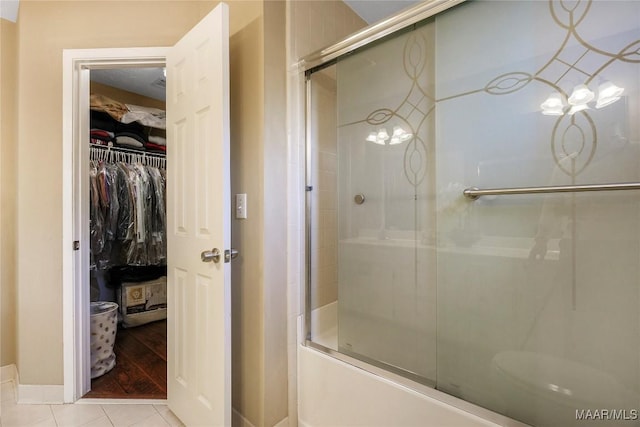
point(31, 394)
point(237, 420)
point(9, 373)
point(40, 394)
point(283, 423)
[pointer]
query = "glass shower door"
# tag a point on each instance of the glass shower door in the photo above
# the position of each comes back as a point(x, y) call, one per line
point(523, 304)
point(538, 293)
point(386, 216)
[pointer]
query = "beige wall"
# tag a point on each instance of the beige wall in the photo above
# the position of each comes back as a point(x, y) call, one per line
point(8, 147)
point(247, 109)
point(258, 150)
point(275, 214)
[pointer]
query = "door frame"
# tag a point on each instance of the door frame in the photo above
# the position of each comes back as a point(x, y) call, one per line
point(76, 65)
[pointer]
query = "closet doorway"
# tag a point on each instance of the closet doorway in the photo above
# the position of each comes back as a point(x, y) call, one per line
point(198, 217)
point(127, 229)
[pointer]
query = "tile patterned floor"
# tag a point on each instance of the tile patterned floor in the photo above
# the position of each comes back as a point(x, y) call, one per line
point(81, 415)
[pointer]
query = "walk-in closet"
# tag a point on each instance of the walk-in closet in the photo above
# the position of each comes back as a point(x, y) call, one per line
point(127, 227)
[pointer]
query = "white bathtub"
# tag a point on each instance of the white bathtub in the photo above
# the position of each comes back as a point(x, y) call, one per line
point(334, 393)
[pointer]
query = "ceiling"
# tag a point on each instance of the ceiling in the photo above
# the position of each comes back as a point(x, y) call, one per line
point(151, 82)
point(369, 10)
point(9, 10)
point(375, 10)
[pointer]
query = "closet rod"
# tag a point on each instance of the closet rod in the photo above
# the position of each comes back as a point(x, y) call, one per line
point(126, 150)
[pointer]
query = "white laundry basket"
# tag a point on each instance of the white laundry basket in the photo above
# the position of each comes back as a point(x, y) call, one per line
point(104, 323)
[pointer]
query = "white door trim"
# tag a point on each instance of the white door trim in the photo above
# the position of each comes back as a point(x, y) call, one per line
point(76, 64)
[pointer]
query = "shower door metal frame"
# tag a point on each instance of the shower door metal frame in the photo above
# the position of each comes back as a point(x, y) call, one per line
point(376, 32)
point(307, 66)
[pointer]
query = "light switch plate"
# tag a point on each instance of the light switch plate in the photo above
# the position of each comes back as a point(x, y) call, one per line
point(241, 206)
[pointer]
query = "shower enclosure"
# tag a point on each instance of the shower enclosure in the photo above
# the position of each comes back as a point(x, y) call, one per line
point(522, 300)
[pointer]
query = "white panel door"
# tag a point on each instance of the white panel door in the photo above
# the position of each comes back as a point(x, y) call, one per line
point(198, 192)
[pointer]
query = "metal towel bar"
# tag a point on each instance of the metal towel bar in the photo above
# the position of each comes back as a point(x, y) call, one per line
point(473, 193)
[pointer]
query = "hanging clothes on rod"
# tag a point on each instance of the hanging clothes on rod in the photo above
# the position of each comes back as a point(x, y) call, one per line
point(127, 213)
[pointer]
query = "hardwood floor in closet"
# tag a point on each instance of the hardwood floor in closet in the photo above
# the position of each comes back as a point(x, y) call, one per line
point(141, 365)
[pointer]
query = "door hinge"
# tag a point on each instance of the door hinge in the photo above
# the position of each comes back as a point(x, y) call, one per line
point(76, 245)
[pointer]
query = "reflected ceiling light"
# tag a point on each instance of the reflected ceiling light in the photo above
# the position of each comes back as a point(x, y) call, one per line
point(382, 136)
point(554, 105)
point(575, 108)
point(581, 95)
point(399, 136)
point(374, 137)
point(608, 93)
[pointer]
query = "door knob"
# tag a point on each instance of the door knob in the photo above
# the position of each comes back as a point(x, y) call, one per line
point(212, 255)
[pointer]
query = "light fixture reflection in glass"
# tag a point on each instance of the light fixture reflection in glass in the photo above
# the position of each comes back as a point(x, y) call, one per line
point(400, 135)
point(381, 137)
point(373, 137)
point(581, 95)
point(575, 108)
point(554, 105)
point(608, 93)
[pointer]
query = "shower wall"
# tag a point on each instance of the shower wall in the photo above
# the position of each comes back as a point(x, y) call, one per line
point(324, 236)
